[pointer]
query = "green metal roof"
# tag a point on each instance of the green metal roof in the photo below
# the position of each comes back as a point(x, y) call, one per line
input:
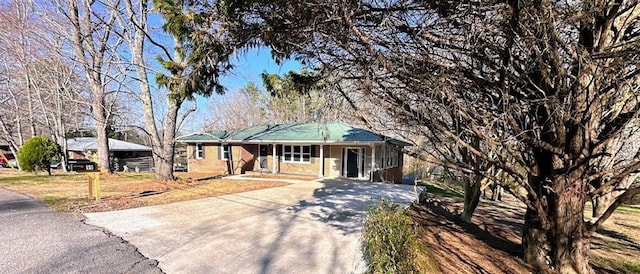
point(308, 132)
point(204, 137)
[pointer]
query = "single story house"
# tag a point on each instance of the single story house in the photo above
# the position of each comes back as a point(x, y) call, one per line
point(4, 146)
point(79, 147)
point(121, 153)
point(318, 149)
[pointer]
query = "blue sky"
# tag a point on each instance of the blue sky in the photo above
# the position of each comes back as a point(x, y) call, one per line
point(251, 64)
point(248, 67)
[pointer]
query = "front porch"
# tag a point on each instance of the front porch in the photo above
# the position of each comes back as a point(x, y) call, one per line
point(317, 160)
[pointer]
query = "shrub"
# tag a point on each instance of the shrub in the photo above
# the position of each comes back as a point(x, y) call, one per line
point(390, 242)
point(38, 153)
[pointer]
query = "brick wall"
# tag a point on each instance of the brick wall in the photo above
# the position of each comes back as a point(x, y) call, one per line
point(301, 168)
point(243, 158)
point(390, 174)
point(210, 163)
point(332, 161)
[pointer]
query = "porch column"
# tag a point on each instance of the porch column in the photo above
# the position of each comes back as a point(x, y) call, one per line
point(321, 173)
point(274, 159)
point(373, 162)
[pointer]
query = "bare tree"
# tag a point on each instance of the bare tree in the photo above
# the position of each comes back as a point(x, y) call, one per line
point(17, 117)
point(240, 109)
point(618, 152)
point(94, 46)
point(187, 76)
point(33, 62)
point(57, 95)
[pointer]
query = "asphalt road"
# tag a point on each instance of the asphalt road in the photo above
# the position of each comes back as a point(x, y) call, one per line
point(310, 227)
point(34, 239)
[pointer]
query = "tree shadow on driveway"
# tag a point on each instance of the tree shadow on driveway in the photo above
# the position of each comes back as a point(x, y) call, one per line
point(342, 203)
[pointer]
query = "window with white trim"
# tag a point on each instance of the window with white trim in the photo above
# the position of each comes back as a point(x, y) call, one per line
point(389, 156)
point(224, 152)
point(394, 157)
point(382, 155)
point(199, 151)
point(389, 153)
point(296, 154)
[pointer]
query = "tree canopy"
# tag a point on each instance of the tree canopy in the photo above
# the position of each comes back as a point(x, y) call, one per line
point(550, 87)
point(198, 60)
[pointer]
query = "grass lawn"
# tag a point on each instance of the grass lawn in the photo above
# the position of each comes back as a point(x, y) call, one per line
point(69, 192)
point(441, 190)
point(635, 209)
point(617, 265)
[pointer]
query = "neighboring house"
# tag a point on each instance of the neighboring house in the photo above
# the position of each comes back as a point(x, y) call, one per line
point(4, 146)
point(120, 152)
point(6, 158)
point(5, 154)
point(324, 150)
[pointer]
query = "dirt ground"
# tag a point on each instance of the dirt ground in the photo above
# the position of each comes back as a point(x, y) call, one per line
point(491, 244)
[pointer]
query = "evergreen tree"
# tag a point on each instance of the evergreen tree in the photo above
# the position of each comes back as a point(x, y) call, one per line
point(38, 153)
point(198, 60)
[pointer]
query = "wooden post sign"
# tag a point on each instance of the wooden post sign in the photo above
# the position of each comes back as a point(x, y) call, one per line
point(94, 185)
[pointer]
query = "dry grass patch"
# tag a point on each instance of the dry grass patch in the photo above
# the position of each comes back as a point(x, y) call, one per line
point(69, 192)
point(616, 245)
point(195, 176)
point(282, 176)
point(488, 245)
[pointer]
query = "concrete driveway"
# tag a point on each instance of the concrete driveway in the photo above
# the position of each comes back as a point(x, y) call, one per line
point(310, 227)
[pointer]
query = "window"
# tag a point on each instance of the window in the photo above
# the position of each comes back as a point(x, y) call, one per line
point(389, 156)
point(296, 154)
point(394, 157)
point(199, 151)
point(385, 156)
point(389, 153)
point(224, 152)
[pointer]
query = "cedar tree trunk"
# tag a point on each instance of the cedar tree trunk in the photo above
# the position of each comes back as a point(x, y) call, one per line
point(471, 197)
point(560, 243)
